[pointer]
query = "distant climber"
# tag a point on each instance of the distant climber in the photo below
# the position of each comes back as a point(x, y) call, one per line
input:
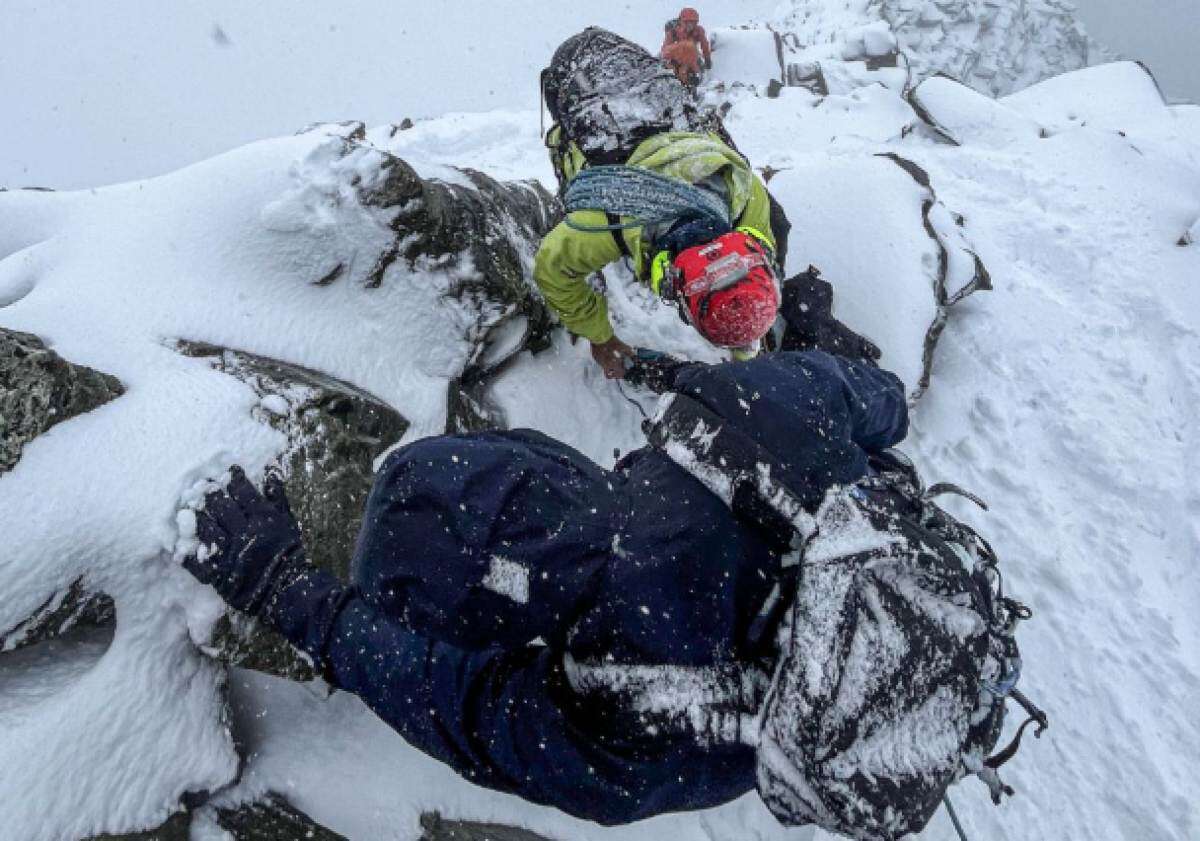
point(763, 596)
point(646, 175)
point(685, 47)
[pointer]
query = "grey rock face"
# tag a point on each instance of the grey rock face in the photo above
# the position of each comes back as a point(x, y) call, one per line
point(496, 227)
point(177, 828)
point(483, 231)
point(77, 605)
point(38, 389)
point(335, 431)
point(272, 819)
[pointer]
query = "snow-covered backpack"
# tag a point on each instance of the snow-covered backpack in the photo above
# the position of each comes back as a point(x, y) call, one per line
point(895, 643)
point(897, 654)
point(606, 95)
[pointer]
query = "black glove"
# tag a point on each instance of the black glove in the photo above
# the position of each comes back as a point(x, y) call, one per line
point(708, 64)
point(655, 371)
point(807, 309)
point(251, 542)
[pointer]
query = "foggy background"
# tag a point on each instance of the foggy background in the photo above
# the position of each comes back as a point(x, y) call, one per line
point(93, 93)
point(1165, 34)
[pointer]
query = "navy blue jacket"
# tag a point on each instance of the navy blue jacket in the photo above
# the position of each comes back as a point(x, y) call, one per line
point(640, 565)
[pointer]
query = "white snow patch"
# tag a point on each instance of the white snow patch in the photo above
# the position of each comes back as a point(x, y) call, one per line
point(508, 578)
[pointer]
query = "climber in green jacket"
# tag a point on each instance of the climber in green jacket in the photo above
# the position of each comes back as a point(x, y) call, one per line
point(645, 174)
point(569, 255)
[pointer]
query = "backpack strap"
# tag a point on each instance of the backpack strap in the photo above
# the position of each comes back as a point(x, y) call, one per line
point(614, 228)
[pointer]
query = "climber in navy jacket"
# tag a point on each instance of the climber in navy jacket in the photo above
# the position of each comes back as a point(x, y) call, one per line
point(510, 597)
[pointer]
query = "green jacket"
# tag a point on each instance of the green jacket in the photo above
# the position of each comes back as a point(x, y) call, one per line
point(568, 256)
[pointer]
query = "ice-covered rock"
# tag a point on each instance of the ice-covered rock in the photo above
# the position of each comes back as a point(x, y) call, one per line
point(38, 390)
point(269, 818)
point(437, 828)
point(1191, 236)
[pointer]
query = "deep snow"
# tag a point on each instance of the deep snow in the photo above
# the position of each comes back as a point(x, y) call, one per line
point(1065, 397)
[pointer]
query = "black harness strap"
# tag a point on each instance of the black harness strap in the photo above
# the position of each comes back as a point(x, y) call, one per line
point(618, 237)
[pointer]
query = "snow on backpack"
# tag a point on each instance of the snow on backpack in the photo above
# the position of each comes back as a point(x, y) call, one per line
point(608, 94)
point(896, 649)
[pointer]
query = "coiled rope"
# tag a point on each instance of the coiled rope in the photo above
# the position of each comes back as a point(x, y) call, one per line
point(648, 198)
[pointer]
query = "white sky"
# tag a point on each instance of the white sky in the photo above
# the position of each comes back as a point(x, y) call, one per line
point(1165, 34)
point(113, 90)
point(96, 92)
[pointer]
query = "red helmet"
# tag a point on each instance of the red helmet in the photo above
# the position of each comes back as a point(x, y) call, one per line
point(689, 14)
point(727, 289)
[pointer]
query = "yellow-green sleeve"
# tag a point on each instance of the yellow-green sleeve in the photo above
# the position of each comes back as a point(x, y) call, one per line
point(757, 214)
point(564, 261)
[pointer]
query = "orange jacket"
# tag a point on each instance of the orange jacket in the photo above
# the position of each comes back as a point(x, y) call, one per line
point(698, 36)
point(683, 57)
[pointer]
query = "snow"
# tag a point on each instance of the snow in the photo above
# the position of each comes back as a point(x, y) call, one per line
point(1114, 96)
point(744, 56)
point(1065, 397)
point(508, 578)
point(963, 115)
point(859, 220)
point(994, 47)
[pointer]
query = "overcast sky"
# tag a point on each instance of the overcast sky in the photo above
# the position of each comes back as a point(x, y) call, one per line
point(98, 91)
point(1165, 34)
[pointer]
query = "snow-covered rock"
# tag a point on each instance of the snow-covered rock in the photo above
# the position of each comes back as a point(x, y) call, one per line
point(992, 46)
point(745, 56)
point(313, 251)
point(39, 389)
point(1065, 397)
point(1118, 96)
point(963, 115)
point(876, 231)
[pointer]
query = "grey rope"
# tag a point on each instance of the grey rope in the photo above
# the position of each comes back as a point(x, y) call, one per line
point(954, 818)
point(647, 197)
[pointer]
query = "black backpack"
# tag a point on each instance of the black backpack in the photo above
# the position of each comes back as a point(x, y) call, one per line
point(608, 94)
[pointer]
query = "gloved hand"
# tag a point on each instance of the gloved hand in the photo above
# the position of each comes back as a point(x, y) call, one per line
point(708, 64)
point(250, 544)
point(807, 309)
point(654, 370)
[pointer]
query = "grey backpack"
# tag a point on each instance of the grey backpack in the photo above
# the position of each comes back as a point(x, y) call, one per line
point(608, 95)
point(896, 657)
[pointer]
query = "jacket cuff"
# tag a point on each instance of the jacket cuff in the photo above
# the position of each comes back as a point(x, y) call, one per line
point(602, 335)
point(597, 329)
point(304, 606)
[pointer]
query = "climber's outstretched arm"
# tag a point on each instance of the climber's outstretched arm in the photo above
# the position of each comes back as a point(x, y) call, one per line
point(505, 719)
